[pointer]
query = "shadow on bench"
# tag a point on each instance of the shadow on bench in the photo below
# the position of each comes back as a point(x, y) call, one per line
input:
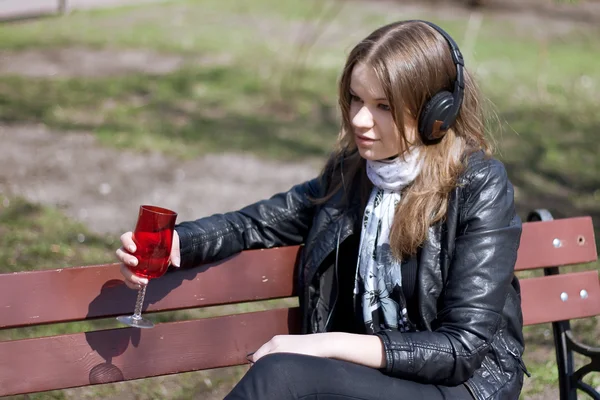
point(112, 355)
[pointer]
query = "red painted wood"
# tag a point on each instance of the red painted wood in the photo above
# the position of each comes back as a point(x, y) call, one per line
point(541, 297)
point(31, 298)
point(537, 249)
point(58, 362)
point(98, 291)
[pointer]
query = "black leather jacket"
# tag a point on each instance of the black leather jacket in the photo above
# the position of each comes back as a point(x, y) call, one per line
point(470, 326)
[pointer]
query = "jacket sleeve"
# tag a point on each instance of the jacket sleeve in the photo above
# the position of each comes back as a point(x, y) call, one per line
point(282, 220)
point(471, 302)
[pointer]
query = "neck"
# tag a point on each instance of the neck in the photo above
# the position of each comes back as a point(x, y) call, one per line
point(396, 174)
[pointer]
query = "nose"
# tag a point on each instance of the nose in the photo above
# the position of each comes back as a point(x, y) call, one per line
point(363, 119)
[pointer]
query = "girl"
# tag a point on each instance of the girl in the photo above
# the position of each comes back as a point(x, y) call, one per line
point(410, 240)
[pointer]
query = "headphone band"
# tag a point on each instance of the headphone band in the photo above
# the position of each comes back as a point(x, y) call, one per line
point(459, 82)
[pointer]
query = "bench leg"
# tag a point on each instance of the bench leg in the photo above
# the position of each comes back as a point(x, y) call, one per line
point(569, 380)
point(564, 360)
point(593, 366)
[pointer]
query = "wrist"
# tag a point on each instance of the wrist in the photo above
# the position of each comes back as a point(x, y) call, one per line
point(333, 344)
point(361, 349)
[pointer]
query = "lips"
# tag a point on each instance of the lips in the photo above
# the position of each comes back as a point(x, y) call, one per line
point(364, 141)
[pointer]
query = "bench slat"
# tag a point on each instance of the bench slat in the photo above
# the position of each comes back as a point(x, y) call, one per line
point(69, 294)
point(537, 249)
point(58, 362)
point(541, 297)
point(101, 293)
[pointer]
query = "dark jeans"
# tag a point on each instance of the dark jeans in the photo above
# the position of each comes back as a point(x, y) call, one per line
point(284, 376)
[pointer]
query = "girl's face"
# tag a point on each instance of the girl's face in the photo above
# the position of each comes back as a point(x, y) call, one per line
point(373, 126)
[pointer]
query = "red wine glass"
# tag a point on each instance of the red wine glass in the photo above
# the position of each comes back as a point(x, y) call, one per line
point(153, 237)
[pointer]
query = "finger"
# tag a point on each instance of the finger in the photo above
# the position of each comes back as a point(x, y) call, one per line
point(127, 242)
point(132, 285)
point(131, 277)
point(260, 353)
point(175, 252)
point(126, 258)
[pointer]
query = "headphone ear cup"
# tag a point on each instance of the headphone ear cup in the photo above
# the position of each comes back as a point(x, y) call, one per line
point(434, 113)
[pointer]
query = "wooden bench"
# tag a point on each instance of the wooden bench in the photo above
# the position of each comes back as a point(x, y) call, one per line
point(102, 356)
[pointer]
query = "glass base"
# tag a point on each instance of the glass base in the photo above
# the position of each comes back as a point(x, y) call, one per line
point(135, 322)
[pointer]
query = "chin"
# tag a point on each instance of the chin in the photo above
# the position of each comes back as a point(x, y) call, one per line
point(369, 154)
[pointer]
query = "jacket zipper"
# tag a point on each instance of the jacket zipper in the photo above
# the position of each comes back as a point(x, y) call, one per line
point(520, 360)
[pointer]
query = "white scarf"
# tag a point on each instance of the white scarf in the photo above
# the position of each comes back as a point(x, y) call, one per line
point(378, 275)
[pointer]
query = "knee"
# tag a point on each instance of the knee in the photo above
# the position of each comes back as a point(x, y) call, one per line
point(271, 377)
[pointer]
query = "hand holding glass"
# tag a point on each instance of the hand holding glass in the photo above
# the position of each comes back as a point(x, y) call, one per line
point(153, 237)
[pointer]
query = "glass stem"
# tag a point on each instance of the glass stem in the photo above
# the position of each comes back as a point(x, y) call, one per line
point(137, 315)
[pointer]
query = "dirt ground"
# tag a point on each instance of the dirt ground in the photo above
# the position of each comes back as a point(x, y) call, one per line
point(102, 187)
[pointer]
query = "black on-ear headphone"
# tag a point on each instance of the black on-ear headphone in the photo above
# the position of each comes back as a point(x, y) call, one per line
point(439, 113)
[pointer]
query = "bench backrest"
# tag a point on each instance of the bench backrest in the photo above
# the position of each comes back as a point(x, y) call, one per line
point(102, 356)
point(566, 296)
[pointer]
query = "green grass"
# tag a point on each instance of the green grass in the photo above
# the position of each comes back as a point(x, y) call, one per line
point(275, 93)
point(261, 77)
point(283, 107)
point(190, 26)
point(36, 237)
point(189, 112)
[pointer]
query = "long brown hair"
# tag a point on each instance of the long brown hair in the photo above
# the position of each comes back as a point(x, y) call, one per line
point(413, 63)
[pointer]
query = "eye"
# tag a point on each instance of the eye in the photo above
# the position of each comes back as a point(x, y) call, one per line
point(384, 107)
point(354, 97)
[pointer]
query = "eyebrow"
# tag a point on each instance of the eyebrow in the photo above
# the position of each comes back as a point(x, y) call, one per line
point(352, 92)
